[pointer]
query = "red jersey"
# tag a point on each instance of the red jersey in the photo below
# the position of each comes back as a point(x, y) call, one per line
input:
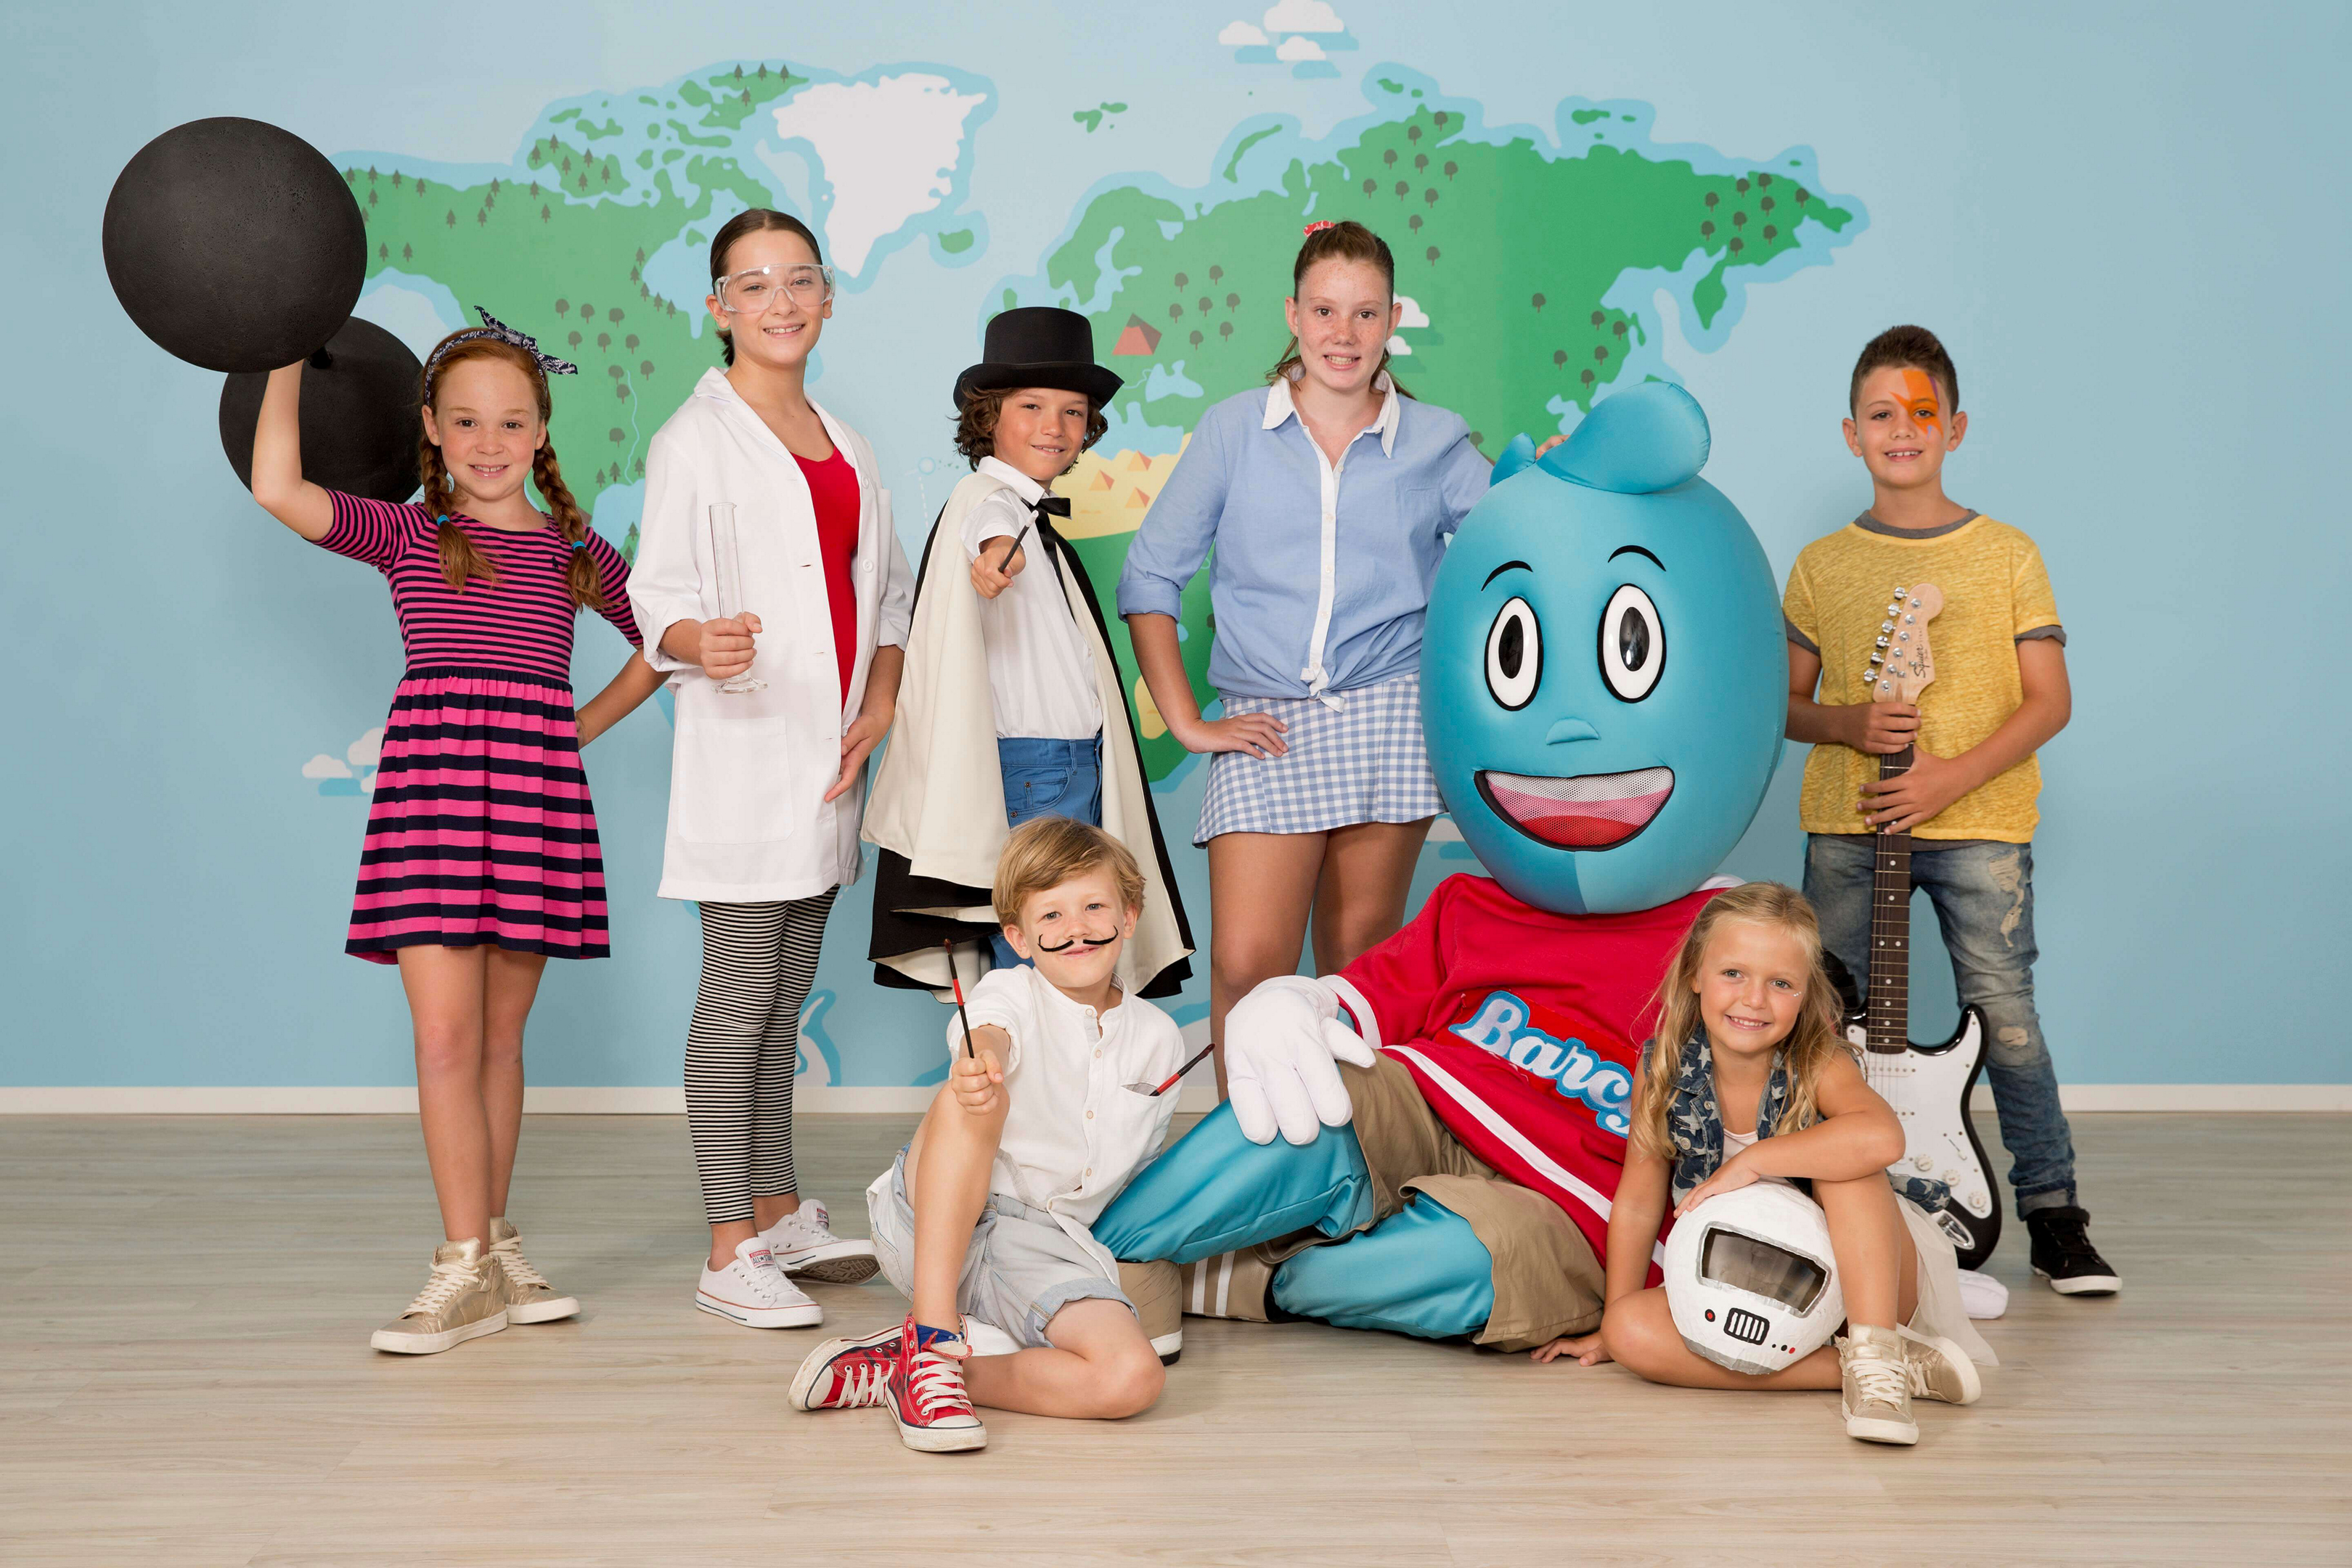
point(1522, 1028)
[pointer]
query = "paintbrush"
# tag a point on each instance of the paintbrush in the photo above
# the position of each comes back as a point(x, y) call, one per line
point(958, 980)
point(1149, 1092)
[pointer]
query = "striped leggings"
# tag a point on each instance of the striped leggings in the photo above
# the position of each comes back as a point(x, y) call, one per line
point(743, 1047)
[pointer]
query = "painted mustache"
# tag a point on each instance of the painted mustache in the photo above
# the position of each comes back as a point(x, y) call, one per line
point(1089, 942)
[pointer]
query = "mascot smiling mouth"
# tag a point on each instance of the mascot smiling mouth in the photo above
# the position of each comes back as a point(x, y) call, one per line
point(1589, 811)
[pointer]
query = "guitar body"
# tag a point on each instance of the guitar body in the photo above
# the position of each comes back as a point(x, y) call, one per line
point(1928, 1085)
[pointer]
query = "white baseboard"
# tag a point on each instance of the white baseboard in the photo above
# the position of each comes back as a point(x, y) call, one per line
point(817, 1098)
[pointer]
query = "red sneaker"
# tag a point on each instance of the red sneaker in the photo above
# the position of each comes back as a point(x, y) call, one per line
point(926, 1394)
point(847, 1374)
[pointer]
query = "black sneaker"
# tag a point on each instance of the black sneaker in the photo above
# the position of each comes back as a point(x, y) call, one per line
point(2063, 1252)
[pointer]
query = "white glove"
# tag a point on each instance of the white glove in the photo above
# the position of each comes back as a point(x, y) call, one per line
point(1281, 1041)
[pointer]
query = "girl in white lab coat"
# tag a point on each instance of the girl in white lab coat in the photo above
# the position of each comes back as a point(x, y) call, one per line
point(766, 784)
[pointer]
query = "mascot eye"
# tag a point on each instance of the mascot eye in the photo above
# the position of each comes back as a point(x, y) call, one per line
point(1632, 644)
point(1514, 655)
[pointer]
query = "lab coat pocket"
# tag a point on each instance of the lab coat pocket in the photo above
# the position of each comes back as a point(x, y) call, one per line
point(733, 780)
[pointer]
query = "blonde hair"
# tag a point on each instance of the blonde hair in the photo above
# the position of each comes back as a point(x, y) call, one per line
point(1047, 851)
point(1814, 1040)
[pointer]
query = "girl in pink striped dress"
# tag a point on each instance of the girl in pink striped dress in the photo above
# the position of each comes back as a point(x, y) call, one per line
point(481, 858)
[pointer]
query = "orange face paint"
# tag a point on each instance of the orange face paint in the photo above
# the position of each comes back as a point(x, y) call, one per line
point(1920, 399)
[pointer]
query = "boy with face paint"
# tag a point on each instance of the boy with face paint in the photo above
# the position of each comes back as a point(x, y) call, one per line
point(1052, 1102)
point(1969, 799)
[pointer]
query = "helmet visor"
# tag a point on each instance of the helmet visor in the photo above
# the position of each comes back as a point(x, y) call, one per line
point(1775, 1273)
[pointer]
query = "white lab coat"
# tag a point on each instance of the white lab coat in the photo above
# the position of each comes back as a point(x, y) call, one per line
point(748, 820)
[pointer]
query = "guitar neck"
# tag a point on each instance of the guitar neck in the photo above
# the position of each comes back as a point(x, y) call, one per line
point(1887, 1021)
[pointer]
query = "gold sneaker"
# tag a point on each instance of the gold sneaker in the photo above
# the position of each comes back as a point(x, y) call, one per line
point(465, 1299)
point(1158, 1291)
point(1877, 1385)
point(530, 1298)
point(1939, 1369)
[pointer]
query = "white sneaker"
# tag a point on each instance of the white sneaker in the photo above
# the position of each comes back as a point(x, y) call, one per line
point(1981, 1295)
point(752, 1291)
point(803, 1245)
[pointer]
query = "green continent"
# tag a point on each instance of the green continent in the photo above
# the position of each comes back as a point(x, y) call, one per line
point(1481, 232)
point(566, 271)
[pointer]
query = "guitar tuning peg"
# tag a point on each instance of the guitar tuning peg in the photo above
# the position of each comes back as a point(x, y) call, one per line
point(1887, 626)
point(1892, 608)
point(1902, 593)
point(1882, 642)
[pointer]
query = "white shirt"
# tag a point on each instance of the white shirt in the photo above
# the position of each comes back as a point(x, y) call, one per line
point(1074, 1131)
point(1279, 407)
point(747, 818)
point(1041, 674)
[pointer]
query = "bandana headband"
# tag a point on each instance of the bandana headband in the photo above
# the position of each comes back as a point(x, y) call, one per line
point(498, 330)
point(1310, 231)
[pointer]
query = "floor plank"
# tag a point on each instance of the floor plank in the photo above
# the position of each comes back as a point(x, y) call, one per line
point(186, 1302)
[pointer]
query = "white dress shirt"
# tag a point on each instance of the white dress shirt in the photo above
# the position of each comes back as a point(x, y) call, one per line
point(1074, 1131)
point(749, 822)
point(1040, 670)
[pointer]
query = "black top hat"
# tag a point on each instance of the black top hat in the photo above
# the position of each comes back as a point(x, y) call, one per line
point(1039, 345)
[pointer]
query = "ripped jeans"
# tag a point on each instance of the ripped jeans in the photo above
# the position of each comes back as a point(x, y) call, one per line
point(1983, 894)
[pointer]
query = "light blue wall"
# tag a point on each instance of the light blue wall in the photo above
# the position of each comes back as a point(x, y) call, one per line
point(2129, 223)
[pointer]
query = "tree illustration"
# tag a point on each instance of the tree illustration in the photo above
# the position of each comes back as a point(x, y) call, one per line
point(1706, 231)
point(567, 163)
point(1388, 157)
point(1618, 326)
point(1182, 281)
point(1740, 186)
point(645, 368)
point(573, 340)
point(1736, 245)
point(1216, 274)
point(481, 218)
point(1764, 182)
point(1370, 185)
point(1413, 133)
point(1765, 203)
point(396, 179)
point(1432, 255)
point(1440, 118)
point(1585, 376)
point(603, 341)
point(1452, 168)
point(408, 253)
point(1196, 337)
point(1739, 220)
point(383, 253)
point(1176, 312)
point(1429, 197)
point(543, 214)
point(371, 198)
point(1420, 161)
point(1601, 352)
point(630, 342)
point(1711, 199)
point(1206, 304)
point(1558, 358)
point(614, 314)
point(1225, 328)
point(1771, 233)
point(1233, 302)
point(1803, 195)
point(453, 217)
point(1538, 302)
point(738, 73)
point(1413, 223)
point(617, 436)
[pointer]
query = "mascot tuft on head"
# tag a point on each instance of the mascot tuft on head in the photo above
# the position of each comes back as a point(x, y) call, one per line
point(1602, 695)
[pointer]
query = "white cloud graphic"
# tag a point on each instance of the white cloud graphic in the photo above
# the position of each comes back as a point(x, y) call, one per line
point(1414, 316)
point(368, 750)
point(1302, 16)
point(1296, 47)
point(1240, 35)
point(323, 766)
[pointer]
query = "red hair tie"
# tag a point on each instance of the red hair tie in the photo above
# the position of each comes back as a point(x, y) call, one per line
point(1318, 226)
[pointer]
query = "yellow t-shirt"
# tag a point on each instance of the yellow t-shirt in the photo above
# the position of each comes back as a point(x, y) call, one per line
point(1996, 594)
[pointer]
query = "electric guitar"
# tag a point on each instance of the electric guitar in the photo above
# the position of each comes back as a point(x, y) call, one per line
point(1928, 1085)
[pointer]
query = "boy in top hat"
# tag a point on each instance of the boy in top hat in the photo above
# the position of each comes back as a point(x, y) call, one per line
point(1012, 706)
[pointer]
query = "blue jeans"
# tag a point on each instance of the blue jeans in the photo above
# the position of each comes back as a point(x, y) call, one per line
point(1983, 895)
point(1047, 778)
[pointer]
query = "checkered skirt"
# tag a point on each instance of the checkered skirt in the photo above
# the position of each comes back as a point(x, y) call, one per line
point(1364, 762)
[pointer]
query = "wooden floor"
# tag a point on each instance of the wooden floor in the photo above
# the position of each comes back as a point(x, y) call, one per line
point(184, 1381)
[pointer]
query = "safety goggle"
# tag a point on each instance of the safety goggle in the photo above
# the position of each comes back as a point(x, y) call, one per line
point(753, 290)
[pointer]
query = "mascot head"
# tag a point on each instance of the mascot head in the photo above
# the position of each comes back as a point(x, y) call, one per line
point(1602, 680)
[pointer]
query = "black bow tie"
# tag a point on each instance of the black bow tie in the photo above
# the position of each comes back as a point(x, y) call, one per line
point(1051, 506)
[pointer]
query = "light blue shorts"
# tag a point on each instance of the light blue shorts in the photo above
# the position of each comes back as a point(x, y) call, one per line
point(1021, 1268)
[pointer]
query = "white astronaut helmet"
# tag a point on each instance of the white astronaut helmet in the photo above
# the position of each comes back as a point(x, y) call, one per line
point(1750, 1279)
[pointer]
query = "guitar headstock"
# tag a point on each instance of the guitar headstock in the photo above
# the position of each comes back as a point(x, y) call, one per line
point(1904, 663)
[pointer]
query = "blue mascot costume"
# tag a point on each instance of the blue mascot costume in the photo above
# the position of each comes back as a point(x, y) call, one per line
point(1603, 691)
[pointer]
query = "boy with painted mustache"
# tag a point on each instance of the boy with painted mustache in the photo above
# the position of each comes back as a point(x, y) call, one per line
point(1053, 1101)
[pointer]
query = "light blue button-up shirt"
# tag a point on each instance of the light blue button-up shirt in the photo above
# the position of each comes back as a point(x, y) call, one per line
point(1322, 571)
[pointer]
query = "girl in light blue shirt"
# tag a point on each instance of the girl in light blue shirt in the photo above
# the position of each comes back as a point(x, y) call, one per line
point(1327, 497)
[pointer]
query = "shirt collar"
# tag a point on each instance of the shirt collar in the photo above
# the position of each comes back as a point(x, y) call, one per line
point(1019, 483)
point(1279, 407)
point(1051, 998)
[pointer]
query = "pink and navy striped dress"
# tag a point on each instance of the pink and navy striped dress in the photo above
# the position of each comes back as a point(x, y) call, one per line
point(481, 830)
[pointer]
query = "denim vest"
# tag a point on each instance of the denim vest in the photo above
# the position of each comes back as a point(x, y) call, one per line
point(1698, 1125)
